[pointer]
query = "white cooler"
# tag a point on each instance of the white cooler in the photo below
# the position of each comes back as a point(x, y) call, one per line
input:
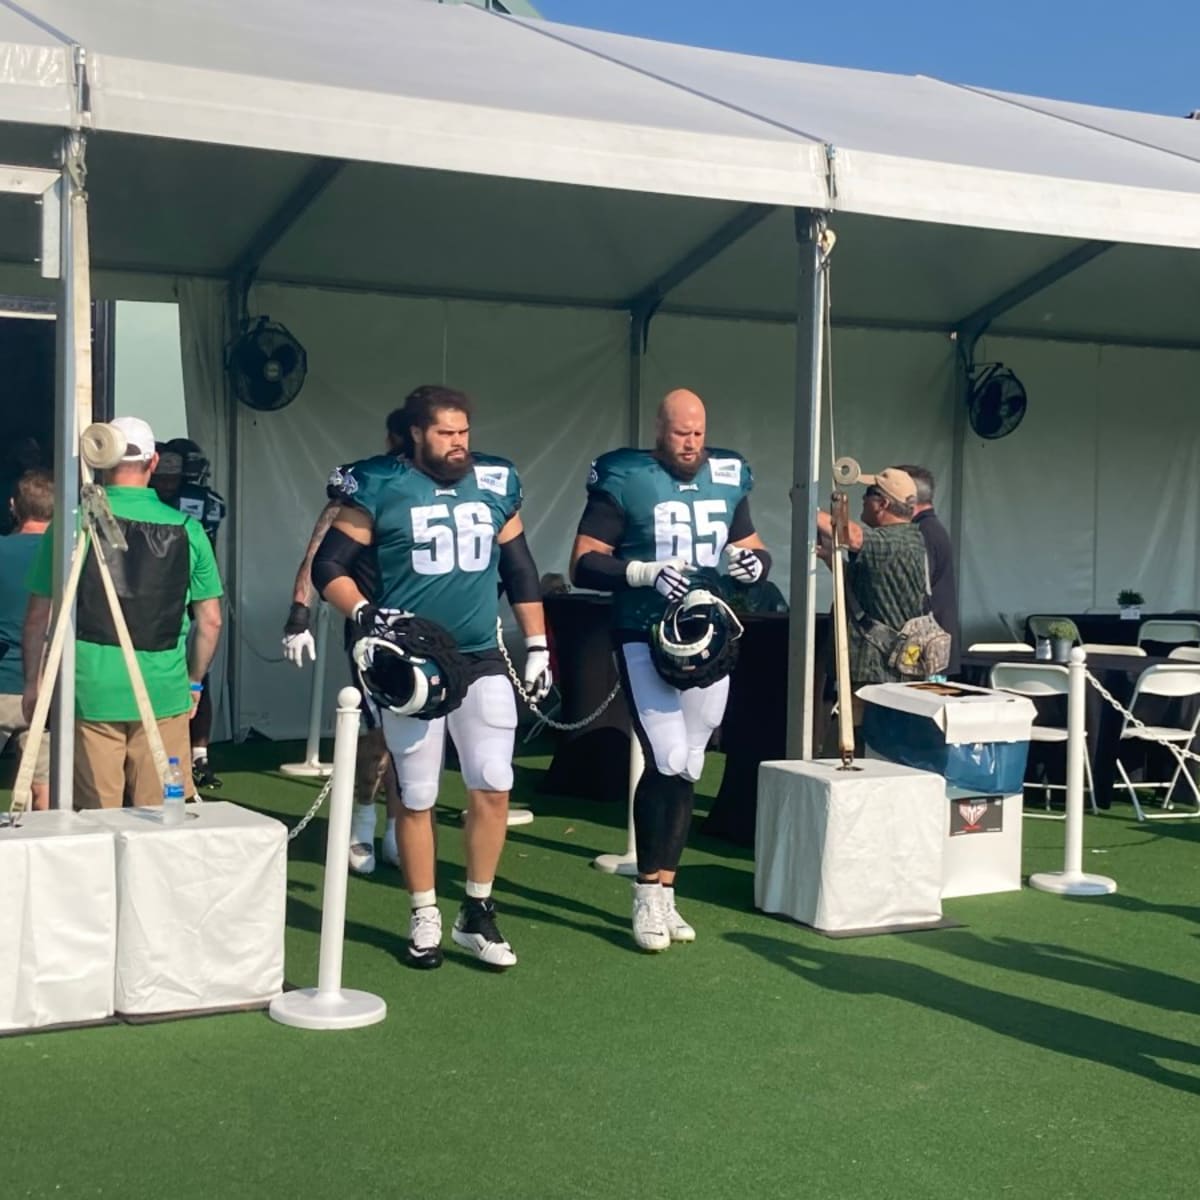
point(58, 921)
point(978, 740)
point(200, 907)
point(843, 850)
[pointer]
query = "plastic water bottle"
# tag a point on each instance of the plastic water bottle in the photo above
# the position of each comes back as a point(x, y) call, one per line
point(172, 809)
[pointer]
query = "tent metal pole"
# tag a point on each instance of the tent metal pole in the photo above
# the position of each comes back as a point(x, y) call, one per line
point(806, 475)
point(964, 356)
point(639, 324)
point(74, 306)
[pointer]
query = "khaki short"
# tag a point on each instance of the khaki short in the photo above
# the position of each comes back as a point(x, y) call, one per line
point(113, 762)
point(12, 724)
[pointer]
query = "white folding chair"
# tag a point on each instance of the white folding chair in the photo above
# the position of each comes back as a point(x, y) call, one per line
point(1105, 648)
point(1174, 680)
point(1186, 653)
point(1173, 630)
point(1040, 680)
point(1000, 648)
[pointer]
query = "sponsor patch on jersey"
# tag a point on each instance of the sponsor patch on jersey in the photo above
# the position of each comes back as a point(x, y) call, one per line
point(342, 481)
point(726, 470)
point(492, 479)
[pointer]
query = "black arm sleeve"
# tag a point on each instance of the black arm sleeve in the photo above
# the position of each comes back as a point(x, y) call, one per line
point(603, 519)
point(335, 557)
point(518, 573)
point(602, 572)
point(742, 525)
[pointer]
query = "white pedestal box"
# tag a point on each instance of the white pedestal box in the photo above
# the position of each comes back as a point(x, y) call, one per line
point(982, 853)
point(200, 907)
point(978, 740)
point(58, 922)
point(841, 850)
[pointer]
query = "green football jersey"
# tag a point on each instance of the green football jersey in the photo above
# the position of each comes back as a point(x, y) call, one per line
point(435, 544)
point(668, 517)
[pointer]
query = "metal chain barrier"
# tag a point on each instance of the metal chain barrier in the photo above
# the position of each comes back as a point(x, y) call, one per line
point(312, 812)
point(519, 684)
point(1181, 753)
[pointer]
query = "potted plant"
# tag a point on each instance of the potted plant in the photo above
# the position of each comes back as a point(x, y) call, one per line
point(1131, 604)
point(1062, 638)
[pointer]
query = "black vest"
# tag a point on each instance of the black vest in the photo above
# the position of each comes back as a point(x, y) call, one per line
point(151, 579)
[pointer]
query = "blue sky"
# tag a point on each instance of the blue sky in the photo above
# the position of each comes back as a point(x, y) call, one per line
point(1144, 56)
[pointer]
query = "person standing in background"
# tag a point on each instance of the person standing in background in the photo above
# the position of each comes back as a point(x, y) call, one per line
point(31, 506)
point(167, 566)
point(181, 480)
point(942, 584)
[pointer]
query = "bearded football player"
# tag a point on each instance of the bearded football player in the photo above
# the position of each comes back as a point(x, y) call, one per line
point(445, 531)
point(656, 525)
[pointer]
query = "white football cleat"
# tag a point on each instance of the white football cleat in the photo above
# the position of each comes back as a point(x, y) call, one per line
point(362, 839)
point(650, 917)
point(475, 930)
point(678, 929)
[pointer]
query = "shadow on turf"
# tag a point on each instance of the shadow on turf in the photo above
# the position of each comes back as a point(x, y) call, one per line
point(1064, 965)
point(1031, 1021)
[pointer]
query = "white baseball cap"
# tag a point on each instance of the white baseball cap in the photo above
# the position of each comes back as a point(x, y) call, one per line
point(139, 439)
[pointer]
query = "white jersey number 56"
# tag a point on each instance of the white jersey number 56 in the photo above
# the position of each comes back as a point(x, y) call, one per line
point(693, 532)
point(444, 538)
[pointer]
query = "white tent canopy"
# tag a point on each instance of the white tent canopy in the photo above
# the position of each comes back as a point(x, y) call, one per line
point(504, 192)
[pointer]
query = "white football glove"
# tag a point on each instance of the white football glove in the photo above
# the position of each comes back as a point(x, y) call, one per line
point(538, 676)
point(296, 644)
point(744, 565)
point(297, 637)
point(668, 578)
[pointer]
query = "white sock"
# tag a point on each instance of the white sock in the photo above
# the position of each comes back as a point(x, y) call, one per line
point(424, 899)
point(478, 891)
point(669, 895)
point(199, 752)
point(391, 828)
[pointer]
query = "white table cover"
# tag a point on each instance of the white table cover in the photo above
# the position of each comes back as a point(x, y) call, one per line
point(200, 907)
point(58, 921)
point(843, 850)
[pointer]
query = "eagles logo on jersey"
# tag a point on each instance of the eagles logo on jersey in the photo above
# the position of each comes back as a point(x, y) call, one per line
point(435, 543)
point(667, 516)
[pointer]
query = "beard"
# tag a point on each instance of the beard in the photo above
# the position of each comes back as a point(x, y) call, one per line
point(682, 470)
point(442, 470)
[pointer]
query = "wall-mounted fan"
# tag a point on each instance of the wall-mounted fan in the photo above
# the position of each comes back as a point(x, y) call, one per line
point(266, 366)
point(997, 400)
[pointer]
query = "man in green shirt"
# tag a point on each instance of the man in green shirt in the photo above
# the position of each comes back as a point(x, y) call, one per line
point(169, 564)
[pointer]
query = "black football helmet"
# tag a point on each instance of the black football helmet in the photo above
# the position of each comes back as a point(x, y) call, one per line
point(696, 642)
point(195, 463)
point(412, 668)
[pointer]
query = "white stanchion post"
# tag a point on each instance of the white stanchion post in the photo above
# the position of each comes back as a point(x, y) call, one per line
point(1072, 880)
point(328, 1005)
point(312, 766)
point(626, 864)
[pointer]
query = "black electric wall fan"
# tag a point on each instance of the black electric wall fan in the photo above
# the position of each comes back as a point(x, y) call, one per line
point(996, 403)
point(266, 365)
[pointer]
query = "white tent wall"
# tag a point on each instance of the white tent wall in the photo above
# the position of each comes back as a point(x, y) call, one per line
point(893, 402)
point(551, 388)
point(1092, 492)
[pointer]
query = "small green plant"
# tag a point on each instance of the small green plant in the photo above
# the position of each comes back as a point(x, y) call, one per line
point(1061, 629)
point(1128, 598)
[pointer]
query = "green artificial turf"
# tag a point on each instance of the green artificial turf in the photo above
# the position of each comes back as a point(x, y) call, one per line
point(1048, 1048)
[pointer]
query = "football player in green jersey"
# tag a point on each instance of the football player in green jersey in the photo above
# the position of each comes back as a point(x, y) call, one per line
point(652, 517)
point(444, 528)
point(374, 763)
